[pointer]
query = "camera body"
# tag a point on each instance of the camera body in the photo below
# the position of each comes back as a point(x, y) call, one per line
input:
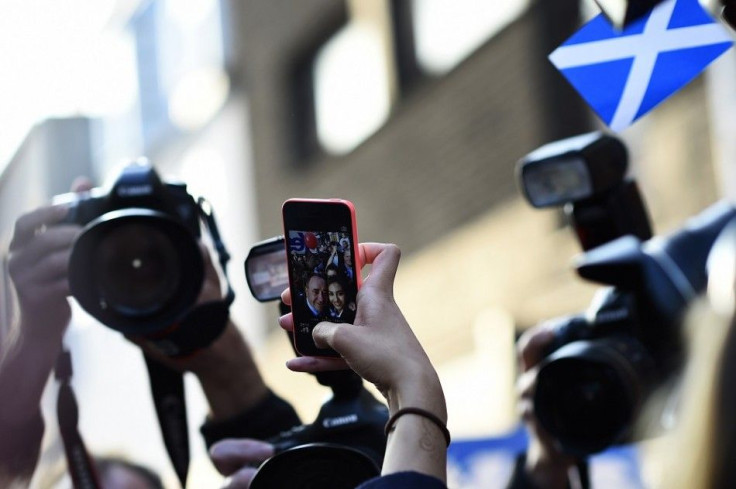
point(136, 266)
point(138, 186)
point(603, 364)
point(342, 448)
point(355, 422)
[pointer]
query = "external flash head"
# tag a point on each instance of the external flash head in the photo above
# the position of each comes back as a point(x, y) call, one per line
point(572, 169)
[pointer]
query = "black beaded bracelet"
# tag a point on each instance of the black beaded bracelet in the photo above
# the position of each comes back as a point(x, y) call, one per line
point(421, 412)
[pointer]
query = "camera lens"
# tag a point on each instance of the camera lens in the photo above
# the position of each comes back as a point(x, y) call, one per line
point(588, 393)
point(315, 466)
point(136, 269)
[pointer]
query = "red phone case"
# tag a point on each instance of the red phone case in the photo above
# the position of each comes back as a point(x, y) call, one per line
point(354, 242)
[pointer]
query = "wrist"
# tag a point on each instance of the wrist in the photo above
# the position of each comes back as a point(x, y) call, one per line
point(421, 389)
point(545, 469)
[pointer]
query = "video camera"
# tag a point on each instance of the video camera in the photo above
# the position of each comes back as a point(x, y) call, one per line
point(605, 363)
point(345, 445)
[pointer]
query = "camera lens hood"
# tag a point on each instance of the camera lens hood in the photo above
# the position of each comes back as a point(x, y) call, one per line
point(315, 466)
point(136, 270)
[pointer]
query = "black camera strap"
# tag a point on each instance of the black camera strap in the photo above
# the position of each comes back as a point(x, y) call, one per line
point(81, 467)
point(198, 329)
point(167, 390)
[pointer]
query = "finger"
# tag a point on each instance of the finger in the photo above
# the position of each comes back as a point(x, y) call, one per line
point(241, 479)
point(27, 226)
point(53, 267)
point(54, 240)
point(316, 364)
point(532, 346)
point(287, 322)
point(384, 261)
point(230, 455)
point(526, 383)
point(82, 184)
point(286, 296)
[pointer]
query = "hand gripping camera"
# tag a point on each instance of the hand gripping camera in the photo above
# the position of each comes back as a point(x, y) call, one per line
point(604, 363)
point(137, 266)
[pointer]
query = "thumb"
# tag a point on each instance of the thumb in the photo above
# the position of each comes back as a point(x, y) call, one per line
point(332, 335)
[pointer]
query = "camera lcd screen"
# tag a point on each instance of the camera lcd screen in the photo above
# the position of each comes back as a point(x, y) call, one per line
point(325, 277)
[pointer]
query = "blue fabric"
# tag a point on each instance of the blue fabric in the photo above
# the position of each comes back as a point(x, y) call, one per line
point(403, 480)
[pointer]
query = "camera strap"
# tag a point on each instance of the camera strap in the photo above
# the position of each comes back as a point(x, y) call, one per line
point(198, 329)
point(167, 390)
point(80, 465)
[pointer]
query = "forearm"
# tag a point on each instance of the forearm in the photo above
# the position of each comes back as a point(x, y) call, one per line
point(416, 443)
point(25, 366)
point(545, 471)
point(229, 376)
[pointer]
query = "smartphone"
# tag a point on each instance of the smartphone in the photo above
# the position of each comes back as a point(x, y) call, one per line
point(324, 269)
point(266, 269)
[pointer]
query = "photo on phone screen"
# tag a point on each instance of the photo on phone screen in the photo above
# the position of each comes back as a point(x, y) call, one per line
point(323, 274)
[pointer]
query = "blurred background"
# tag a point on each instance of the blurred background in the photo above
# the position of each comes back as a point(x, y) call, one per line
point(415, 110)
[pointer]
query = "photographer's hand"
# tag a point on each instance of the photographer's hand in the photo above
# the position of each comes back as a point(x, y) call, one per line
point(37, 265)
point(382, 349)
point(238, 460)
point(545, 465)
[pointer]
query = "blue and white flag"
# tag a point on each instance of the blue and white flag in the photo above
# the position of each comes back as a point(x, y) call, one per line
point(625, 74)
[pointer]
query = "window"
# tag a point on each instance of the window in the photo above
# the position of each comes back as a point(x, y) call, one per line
point(448, 31)
point(352, 95)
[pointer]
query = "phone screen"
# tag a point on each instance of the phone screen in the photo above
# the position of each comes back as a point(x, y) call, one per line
point(322, 269)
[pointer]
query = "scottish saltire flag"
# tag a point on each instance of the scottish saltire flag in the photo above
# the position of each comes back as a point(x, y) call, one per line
point(625, 74)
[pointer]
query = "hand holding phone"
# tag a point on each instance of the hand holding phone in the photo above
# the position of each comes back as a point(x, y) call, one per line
point(324, 273)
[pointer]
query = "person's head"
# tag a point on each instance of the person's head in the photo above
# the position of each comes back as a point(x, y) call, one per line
point(348, 257)
point(331, 272)
point(316, 291)
point(337, 295)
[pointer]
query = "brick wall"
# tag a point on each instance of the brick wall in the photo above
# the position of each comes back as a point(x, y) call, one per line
point(446, 154)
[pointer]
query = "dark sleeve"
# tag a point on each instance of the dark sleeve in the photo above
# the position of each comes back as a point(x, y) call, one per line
point(20, 446)
point(403, 480)
point(268, 418)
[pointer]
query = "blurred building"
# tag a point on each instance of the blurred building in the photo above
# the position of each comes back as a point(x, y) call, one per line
point(433, 170)
point(415, 110)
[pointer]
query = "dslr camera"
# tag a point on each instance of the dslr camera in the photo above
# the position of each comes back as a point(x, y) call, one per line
point(342, 448)
point(136, 266)
point(605, 363)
